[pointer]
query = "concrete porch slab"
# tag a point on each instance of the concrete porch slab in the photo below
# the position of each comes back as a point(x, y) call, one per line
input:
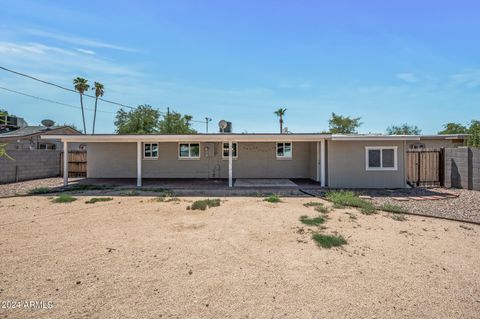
point(264, 182)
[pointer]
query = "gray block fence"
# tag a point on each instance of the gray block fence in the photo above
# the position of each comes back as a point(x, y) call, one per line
point(29, 164)
point(462, 168)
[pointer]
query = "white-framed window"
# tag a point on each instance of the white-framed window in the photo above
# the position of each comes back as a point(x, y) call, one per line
point(150, 151)
point(284, 150)
point(225, 150)
point(189, 150)
point(381, 158)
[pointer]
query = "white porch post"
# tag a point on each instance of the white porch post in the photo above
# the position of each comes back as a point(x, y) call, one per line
point(65, 163)
point(322, 163)
point(318, 162)
point(139, 164)
point(230, 164)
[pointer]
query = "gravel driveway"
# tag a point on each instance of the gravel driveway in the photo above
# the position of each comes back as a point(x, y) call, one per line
point(21, 188)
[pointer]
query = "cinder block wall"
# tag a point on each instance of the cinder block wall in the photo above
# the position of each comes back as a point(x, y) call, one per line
point(462, 168)
point(29, 164)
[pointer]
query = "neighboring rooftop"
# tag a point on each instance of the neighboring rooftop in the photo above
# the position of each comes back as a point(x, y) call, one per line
point(33, 130)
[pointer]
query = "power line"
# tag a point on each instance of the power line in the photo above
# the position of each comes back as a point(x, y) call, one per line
point(63, 88)
point(49, 100)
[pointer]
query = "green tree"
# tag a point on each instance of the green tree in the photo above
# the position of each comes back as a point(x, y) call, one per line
point(141, 120)
point(81, 85)
point(280, 113)
point(175, 123)
point(403, 129)
point(344, 124)
point(99, 91)
point(474, 131)
point(453, 128)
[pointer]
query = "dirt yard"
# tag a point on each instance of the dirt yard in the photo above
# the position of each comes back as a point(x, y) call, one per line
point(135, 257)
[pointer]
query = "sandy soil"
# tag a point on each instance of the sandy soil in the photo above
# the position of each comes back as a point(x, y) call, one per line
point(136, 257)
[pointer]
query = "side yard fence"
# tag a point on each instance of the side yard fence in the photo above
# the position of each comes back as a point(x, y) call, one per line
point(29, 164)
point(462, 168)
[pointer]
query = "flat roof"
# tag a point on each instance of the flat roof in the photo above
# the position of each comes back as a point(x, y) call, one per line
point(243, 137)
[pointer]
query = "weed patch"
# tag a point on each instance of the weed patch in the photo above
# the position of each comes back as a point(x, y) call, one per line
point(328, 241)
point(204, 204)
point(349, 199)
point(398, 217)
point(98, 199)
point(273, 199)
point(312, 204)
point(322, 209)
point(392, 209)
point(64, 198)
point(313, 221)
point(40, 190)
point(130, 193)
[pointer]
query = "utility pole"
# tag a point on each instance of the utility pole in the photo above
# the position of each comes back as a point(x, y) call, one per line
point(207, 119)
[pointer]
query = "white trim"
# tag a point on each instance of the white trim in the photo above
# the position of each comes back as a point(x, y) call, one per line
point(230, 164)
point(65, 163)
point(223, 149)
point(151, 157)
point(318, 162)
point(381, 148)
point(139, 164)
point(336, 137)
point(287, 158)
point(323, 180)
point(189, 157)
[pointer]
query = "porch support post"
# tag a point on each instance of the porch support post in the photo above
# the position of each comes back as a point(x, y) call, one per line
point(139, 164)
point(318, 163)
point(322, 163)
point(230, 164)
point(65, 163)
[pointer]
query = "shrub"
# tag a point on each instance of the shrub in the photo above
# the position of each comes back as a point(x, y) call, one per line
point(313, 221)
point(392, 209)
point(328, 241)
point(273, 199)
point(98, 199)
point(345, 198)
point(40, 190)
point(204, 204)
point(64, 198)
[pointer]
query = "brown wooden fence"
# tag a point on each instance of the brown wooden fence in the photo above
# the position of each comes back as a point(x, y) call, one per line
point(425, 167)
point(77, 163)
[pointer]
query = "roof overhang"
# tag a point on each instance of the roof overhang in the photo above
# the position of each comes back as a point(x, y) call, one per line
point(338, 137)
point(110, 138)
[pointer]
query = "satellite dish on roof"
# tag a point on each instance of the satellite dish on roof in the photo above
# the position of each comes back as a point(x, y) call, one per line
point(222, 125)
point(48, 123)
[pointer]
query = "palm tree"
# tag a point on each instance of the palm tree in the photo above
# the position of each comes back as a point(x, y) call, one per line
point(99, 90)
point(81, 85)
point(280, 113)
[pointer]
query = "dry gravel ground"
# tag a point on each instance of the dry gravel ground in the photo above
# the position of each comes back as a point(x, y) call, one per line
point(22, 188)
point(135, 257)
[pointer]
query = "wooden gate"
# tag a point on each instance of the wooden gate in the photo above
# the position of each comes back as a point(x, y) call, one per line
point(425, 167)
point(77, 163)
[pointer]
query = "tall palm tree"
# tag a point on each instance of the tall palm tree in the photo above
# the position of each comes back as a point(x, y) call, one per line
point(99, 90)
point(81, 85)
point(280, 113)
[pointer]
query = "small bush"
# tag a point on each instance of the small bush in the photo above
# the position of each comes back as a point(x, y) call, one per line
point(328, 241)
point(313, 221)
point(345, 198)
point(399, 217)
point(392, 209)
point(312, 204)
point(322, 209)
point(98, 199)
point(64, 198)
point(204, 204)
point(273, 199)
point(40, 190)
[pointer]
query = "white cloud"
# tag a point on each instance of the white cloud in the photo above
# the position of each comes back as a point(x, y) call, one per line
point(78, 41)
point(470, 79)
point(85, 51)
point(407, 77)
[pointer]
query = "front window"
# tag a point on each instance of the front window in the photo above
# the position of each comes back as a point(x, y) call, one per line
point(234, 150)
point(47, 146)
point(381, 158)
point(150, 151)
point(284, 150)
point(189, 150)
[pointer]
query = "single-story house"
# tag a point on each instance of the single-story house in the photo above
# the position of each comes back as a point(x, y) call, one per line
point(29, 138)
point(336, 161)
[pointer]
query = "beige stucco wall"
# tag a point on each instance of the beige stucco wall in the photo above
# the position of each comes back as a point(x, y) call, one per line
point(255, 160)
point(347, 166)
point(436, 143)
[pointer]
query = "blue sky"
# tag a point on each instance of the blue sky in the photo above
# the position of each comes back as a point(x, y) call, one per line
point(388, 62)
